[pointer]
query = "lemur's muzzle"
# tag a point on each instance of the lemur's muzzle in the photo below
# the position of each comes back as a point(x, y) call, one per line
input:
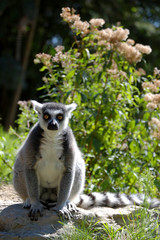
point(53, 125)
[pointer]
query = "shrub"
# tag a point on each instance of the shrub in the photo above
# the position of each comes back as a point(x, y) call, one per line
point(111, 124)
point(8, 147)
point(99, 73)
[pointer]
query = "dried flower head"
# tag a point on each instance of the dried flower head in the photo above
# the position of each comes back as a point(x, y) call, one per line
point(153, 98)
point(129, 52)
point(151, 106)
point(149, 97)
point(119, 35)
point(44, 58)
point(157, 72)
point(59, 48)
point(97, 22)
point(155, 124)
point(150, 86)
point(69, 15)
point(130, 42)
point(81, 26)
point(23, 103)
point(143, 49)
point(106, 34)
point(156, 83)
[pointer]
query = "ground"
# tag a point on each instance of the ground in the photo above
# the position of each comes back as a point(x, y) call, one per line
point(8, 195)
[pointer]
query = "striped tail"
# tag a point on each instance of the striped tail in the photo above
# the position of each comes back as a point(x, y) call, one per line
point(115, 200)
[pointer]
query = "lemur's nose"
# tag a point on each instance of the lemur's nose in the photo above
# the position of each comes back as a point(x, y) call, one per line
point(53, 125)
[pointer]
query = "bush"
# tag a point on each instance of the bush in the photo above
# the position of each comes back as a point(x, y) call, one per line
point(111, 123)
point(99, 72)
point(11, 141)
point(8, 147)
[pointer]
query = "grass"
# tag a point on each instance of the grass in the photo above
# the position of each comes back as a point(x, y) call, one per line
point(142, 225)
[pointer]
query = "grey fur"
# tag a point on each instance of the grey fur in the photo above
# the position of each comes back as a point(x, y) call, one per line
point(50, 171)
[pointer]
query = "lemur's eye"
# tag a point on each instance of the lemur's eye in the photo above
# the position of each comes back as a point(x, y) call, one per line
point(60, 117)
point(46, 116)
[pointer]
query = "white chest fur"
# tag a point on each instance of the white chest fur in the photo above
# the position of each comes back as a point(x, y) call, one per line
point(50, 165)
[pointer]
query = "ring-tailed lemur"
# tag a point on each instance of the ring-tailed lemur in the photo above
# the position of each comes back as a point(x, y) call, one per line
point(50, 169)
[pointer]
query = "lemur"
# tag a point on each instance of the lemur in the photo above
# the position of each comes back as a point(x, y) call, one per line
point(49, 168)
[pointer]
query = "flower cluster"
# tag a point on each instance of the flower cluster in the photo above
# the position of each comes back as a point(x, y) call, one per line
point(157, 72)
point(23, 104)
point(113, 36)
point(155, 125)
point(153, 101)
point(143, 49)
point(130, 52)
point(153, 97)
point(116, 38)
point(81, 27)
point(44, 58)
point(152, 86)
point(59, 54)
point(69, 15)
point(97, 22)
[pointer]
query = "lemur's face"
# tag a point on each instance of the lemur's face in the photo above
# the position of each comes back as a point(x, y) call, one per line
point(53, 116)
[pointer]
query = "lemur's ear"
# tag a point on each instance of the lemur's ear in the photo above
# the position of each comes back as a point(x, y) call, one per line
point(71, 107)
point(37, 106)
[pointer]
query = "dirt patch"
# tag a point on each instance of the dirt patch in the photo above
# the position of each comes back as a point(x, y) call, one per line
point(8, 195)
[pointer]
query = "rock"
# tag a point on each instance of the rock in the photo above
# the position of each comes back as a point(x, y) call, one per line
point(15, 223)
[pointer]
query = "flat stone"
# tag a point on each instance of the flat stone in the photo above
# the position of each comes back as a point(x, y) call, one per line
point(15, 223)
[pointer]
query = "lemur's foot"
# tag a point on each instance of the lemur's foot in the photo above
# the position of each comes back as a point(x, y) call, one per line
point(72, 207)
point(36, 211)
point(27, 203)
point(66, 211)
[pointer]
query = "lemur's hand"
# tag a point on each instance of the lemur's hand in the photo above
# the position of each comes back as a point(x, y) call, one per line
point(36, 210)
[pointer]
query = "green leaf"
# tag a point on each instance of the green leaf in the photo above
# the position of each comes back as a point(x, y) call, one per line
point(70, 74)
point(42, 69)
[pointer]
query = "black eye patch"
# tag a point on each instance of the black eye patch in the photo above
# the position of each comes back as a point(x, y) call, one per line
point(59, 117)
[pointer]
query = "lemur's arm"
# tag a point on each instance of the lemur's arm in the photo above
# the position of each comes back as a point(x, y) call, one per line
point(29, 155)
point(33, 192)
point(32, 185)
point(65, 187)
point(66, 183)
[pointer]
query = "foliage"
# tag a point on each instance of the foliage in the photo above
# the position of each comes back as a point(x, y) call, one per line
point(17, 17)
point(8, 146)
point(11, 141)
point(111, 123)
point(142, 224)
point(26, 119)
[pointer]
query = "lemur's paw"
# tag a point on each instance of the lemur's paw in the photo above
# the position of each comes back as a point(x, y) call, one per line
point(62, 212)
point(27, 203)
point(72, 207)
point(35, 211)
point(66, 211)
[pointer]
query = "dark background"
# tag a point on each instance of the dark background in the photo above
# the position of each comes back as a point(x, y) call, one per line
point(28, 27)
